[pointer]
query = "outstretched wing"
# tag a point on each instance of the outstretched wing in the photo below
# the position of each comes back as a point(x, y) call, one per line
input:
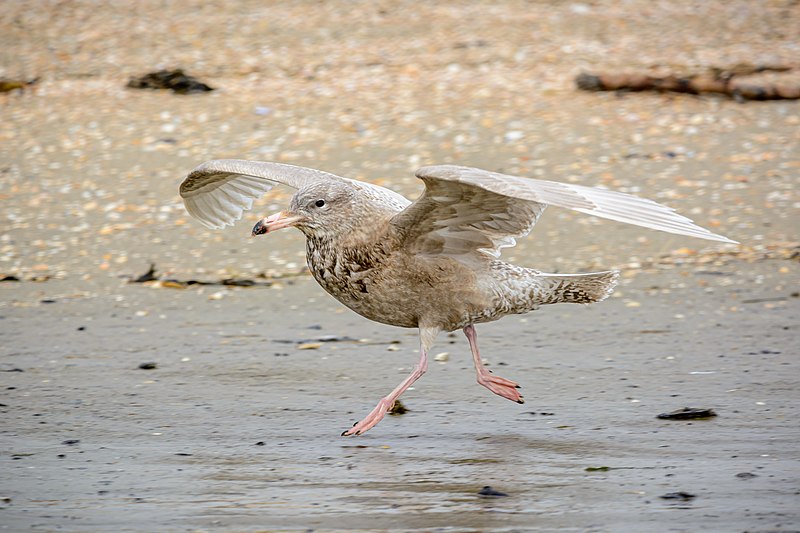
point(467, 210)
point(218, 192)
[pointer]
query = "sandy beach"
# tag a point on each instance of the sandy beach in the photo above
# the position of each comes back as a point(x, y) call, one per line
point(212, 397)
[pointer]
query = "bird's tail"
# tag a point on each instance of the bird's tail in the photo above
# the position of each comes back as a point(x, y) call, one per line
point(578, 288)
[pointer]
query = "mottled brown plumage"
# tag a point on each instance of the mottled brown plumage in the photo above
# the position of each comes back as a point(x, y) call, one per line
point(432, 264)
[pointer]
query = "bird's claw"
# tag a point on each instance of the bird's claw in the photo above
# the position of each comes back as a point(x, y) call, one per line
point(375, 416)
point(347, 432)
point(501, 386)
point(350, 432)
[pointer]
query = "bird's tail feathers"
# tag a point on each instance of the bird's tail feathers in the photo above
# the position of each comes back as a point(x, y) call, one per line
point(580, 288)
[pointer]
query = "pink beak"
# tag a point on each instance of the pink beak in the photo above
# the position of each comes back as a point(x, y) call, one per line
point(275, 222)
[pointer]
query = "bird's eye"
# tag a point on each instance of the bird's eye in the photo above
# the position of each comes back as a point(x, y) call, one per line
point(319, 203)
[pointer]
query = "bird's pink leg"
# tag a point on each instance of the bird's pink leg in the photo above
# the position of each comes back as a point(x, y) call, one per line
point(426, 335)
point(500, 386)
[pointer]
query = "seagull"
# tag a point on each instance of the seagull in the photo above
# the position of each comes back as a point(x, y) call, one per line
point(431, 264)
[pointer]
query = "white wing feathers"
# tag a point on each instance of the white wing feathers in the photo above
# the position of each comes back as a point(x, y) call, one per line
point(642, 212)
point(598, 202)
point(222, 202)
point(462, 210)
point(218, 192)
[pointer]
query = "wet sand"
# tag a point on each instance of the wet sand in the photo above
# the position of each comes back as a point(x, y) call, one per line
point(238, 429)
point(237, 426)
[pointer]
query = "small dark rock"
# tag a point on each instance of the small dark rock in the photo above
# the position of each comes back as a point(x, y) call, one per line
point(588, 82)
point(148, 366)
point(398, 408)
point(175, 80)
point(687, 413)
point(150, 275)
point(260, 443)
point(489, 492)
point(9, 278)
point(71, 442)
point(681, 495)
point(746, 475)
point(238, 282)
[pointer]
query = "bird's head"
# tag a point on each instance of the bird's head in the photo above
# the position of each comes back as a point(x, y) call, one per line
point(320, 210)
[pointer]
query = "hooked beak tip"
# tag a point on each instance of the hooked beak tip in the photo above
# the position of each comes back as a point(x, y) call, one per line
point(274, 222)
point(259, 229)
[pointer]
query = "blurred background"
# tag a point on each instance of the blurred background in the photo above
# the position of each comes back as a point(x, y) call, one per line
point(372, 91)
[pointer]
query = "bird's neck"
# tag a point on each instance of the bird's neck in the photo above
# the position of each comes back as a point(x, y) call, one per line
point(365, 238)
point(334, 261)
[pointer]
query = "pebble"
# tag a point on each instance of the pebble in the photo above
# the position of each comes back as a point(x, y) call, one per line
point(489, 492)
point(309, 346)
point(681, 495)
point(688, 413)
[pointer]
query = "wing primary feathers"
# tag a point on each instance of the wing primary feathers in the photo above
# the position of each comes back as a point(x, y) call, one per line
point(668, 226)
point(598, 202)
point(207, 214)
point(219, 191)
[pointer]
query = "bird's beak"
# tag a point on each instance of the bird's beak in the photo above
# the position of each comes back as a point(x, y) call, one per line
point(275, 222)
